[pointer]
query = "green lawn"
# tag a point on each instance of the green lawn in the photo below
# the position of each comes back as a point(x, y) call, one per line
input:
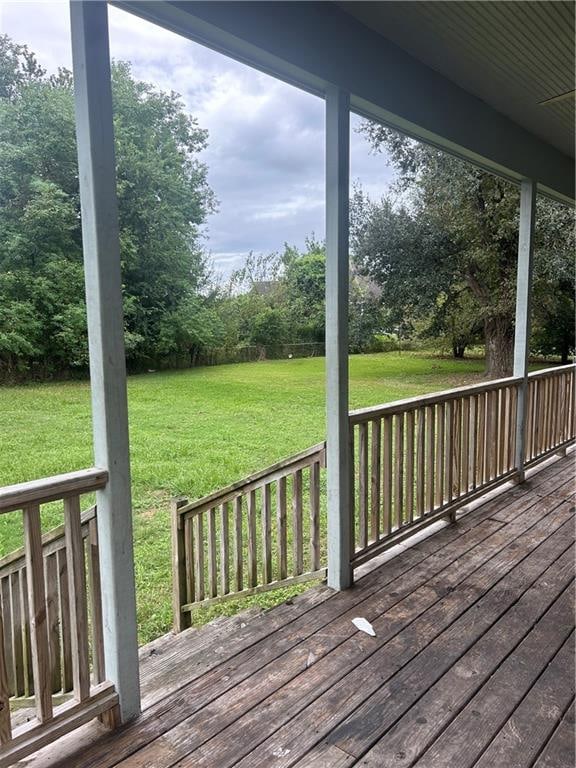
point(192, 432)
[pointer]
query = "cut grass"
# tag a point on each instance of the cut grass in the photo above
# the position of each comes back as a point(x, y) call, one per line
point(192, 432)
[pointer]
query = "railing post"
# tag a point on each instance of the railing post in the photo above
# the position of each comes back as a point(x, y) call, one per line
point(95, 137)
point(338, 443)
point(180, 621)
point(523, 307)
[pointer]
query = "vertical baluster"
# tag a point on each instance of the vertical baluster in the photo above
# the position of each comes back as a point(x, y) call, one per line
point(544, 405)
point(472, 436)
point(499, 431)
point(572, 401)
point(17, 634)
point(5, 724)
point(266, 535)
point(362, 484)
point(449, 455)
point(555, 410)
point(77, 591)
point(6, 637)
point(37, 607)
point(238, 545)
point(26, 640)
point(541, 405)
point(410, 466)
point(224, 549)
point(480, 439)
point(561, 407)
point(387, 475)
point(430, 435)
point(496, 432)
point(464, 444)
point(456, 443)
point(298, 563)
point(99, 673)
point(513, 407)
point(212, 562)
point(532, 393)
point(189, 544)
point(569, 407)
point(315, 516)
point(420, 462)
point(65, 629)
point(440, 455)
point(375, 475)
point(549, 411)
point(545, 390)
point(199, 555)
point(567, 395)
point(489, 445)
point(534, 410)
point(505, 426)
point(252, 547)
point(399, 471)
point(52, 602)
point(282, 530)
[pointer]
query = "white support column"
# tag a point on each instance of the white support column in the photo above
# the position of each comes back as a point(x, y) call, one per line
point(523, 312)
point(340, 530)
point(96, 161)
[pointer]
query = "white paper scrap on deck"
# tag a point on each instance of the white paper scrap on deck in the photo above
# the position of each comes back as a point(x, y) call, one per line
point(364, 626)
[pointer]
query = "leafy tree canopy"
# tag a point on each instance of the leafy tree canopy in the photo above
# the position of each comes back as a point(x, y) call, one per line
point(457, 230)
point(163, 198)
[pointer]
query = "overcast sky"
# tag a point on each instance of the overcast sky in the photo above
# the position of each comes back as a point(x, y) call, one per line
point(266, 138)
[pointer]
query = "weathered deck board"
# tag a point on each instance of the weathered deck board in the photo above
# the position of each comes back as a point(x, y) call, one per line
point(298, 686)
point(561, 748)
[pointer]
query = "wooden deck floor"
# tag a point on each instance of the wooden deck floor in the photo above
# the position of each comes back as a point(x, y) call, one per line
point(472, 663)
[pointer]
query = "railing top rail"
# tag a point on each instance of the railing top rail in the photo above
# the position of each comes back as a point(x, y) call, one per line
point(552, 371)
point(50, 541)
point(398, 406)
point(281, 468)
point(47, 489)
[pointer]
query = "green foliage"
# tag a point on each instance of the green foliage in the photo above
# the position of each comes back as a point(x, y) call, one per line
point(456, 233)
point(163, 199)
point(281, 298)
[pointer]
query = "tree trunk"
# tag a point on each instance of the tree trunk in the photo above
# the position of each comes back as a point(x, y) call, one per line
point(499, 338)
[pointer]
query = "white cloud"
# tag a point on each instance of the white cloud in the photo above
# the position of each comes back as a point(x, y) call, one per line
point(266, 138)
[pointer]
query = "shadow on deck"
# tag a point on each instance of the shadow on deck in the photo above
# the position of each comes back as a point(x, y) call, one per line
point(472, 663)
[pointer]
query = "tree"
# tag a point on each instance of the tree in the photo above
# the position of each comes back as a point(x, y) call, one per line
point(163, 199)
point(305, 279)
point(464, 227)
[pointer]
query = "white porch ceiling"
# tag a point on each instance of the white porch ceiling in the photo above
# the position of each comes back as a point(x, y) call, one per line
point(512, 55)
point(466, 76)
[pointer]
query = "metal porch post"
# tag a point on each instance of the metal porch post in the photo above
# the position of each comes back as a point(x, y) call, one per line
point(523, 311)
point(338, 441)
point(95, 136)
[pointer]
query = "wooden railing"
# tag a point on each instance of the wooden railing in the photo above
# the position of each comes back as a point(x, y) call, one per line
point(258, 534)
point(13, 600)
point(420, 459)
point(413, 462)
point(48, 615)
point(550, 412)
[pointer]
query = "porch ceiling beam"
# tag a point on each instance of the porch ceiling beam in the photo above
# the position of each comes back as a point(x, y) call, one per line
point(97, 170)
point(315, 44)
